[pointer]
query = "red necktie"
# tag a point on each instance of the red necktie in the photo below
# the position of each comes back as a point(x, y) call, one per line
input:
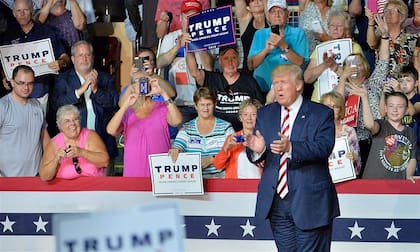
point(282, 188)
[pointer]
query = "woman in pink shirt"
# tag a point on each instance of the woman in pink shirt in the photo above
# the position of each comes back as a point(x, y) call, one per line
point(144, 123)
point(75, 151)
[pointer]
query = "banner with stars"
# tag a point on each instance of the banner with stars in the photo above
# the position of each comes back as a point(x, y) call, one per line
point(375, 215)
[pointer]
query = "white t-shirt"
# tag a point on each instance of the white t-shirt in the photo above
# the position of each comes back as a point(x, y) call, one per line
point(179, 75)
point(247, 169)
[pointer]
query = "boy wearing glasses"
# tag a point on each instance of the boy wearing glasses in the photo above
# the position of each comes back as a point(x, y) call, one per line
point(22, 127)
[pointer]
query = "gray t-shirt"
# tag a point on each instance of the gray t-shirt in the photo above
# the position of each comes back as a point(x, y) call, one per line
point(20, 137)
point(390, 153)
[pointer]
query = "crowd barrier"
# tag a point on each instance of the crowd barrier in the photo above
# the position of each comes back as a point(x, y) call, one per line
point(376, 215)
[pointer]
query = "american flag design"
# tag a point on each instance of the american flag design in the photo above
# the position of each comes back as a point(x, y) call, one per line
point(376, 215)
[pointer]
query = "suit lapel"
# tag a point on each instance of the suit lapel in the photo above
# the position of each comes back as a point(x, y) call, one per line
point(301, 120)
point(74, 80)
point(276, 120)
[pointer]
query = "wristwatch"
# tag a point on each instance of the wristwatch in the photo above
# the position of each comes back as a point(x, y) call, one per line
point(169, 101)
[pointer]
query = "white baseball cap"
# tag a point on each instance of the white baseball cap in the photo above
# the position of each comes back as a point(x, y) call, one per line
point(279, 3)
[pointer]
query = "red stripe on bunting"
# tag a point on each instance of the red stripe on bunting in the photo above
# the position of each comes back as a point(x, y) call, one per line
point(210, 185)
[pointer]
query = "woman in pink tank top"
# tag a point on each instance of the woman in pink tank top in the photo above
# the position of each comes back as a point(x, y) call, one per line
point(74, 152)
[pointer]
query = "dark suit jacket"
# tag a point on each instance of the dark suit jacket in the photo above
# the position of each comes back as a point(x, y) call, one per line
point(105, 102)
point(312, 194)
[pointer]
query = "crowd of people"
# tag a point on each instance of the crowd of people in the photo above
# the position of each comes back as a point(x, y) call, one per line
point(248, 117)
point(204, 102)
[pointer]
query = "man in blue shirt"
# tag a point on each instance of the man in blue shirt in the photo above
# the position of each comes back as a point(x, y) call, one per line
point(280, 44)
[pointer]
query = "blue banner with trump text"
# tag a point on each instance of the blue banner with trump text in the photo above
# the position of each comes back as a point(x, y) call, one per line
point(211, 29)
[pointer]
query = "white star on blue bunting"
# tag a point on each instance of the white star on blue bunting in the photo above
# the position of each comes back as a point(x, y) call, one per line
point(212, 227)
point(356, 230)
point(7, 224)
point(40, 224)
point(248, 229)
point(392, 231)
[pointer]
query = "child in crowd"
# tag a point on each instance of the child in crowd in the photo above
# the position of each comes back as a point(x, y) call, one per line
point(407, 84)
point(393, 151)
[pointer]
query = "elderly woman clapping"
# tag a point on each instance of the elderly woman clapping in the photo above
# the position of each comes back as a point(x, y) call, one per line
point(340, 25)
point(75, 151)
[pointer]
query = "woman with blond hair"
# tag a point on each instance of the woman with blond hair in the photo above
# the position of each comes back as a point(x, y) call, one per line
point(232, 157)
point(144, 123)
point(336, 102)
point(401, 44)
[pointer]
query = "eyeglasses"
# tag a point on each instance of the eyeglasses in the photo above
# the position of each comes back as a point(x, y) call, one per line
point(71, 121)
point(277, 12)
point(88, 55)
point(392, 11)
point(333, 26)
point(76, 165)
point(22, 83)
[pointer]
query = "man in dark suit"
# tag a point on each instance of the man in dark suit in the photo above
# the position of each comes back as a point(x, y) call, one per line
point(91, 91)
point(302, 202)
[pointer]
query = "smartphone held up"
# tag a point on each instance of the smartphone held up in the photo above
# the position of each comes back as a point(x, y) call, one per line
point(139, 63)
point(144, 85)
point(275, 29)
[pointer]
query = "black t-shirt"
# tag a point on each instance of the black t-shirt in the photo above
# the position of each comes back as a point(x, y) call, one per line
point(229, 97)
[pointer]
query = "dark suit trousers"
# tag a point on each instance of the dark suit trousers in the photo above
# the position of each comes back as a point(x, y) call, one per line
point(289, 238)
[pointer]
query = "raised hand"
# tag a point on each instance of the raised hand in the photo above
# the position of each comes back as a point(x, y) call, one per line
point(255, 142)
point(382, 25)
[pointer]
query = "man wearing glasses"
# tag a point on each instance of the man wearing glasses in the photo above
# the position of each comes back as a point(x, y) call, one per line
point(280, 44)
point(23, 131)
point(92, 92)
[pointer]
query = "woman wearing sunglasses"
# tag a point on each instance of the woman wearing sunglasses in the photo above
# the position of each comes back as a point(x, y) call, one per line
point(75, 151)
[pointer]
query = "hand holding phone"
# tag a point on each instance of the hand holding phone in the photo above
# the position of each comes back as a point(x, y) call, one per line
point(373, 6)
point(239, 138)
point(275, 29)
point(138, 62)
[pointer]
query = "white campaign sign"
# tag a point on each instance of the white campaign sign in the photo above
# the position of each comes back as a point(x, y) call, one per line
point(36, 54)
point(183, 177)
point(341, 168)
point(150, 228)
point(341, 48)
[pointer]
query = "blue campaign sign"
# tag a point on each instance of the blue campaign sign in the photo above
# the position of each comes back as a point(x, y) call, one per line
point(210, 29)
